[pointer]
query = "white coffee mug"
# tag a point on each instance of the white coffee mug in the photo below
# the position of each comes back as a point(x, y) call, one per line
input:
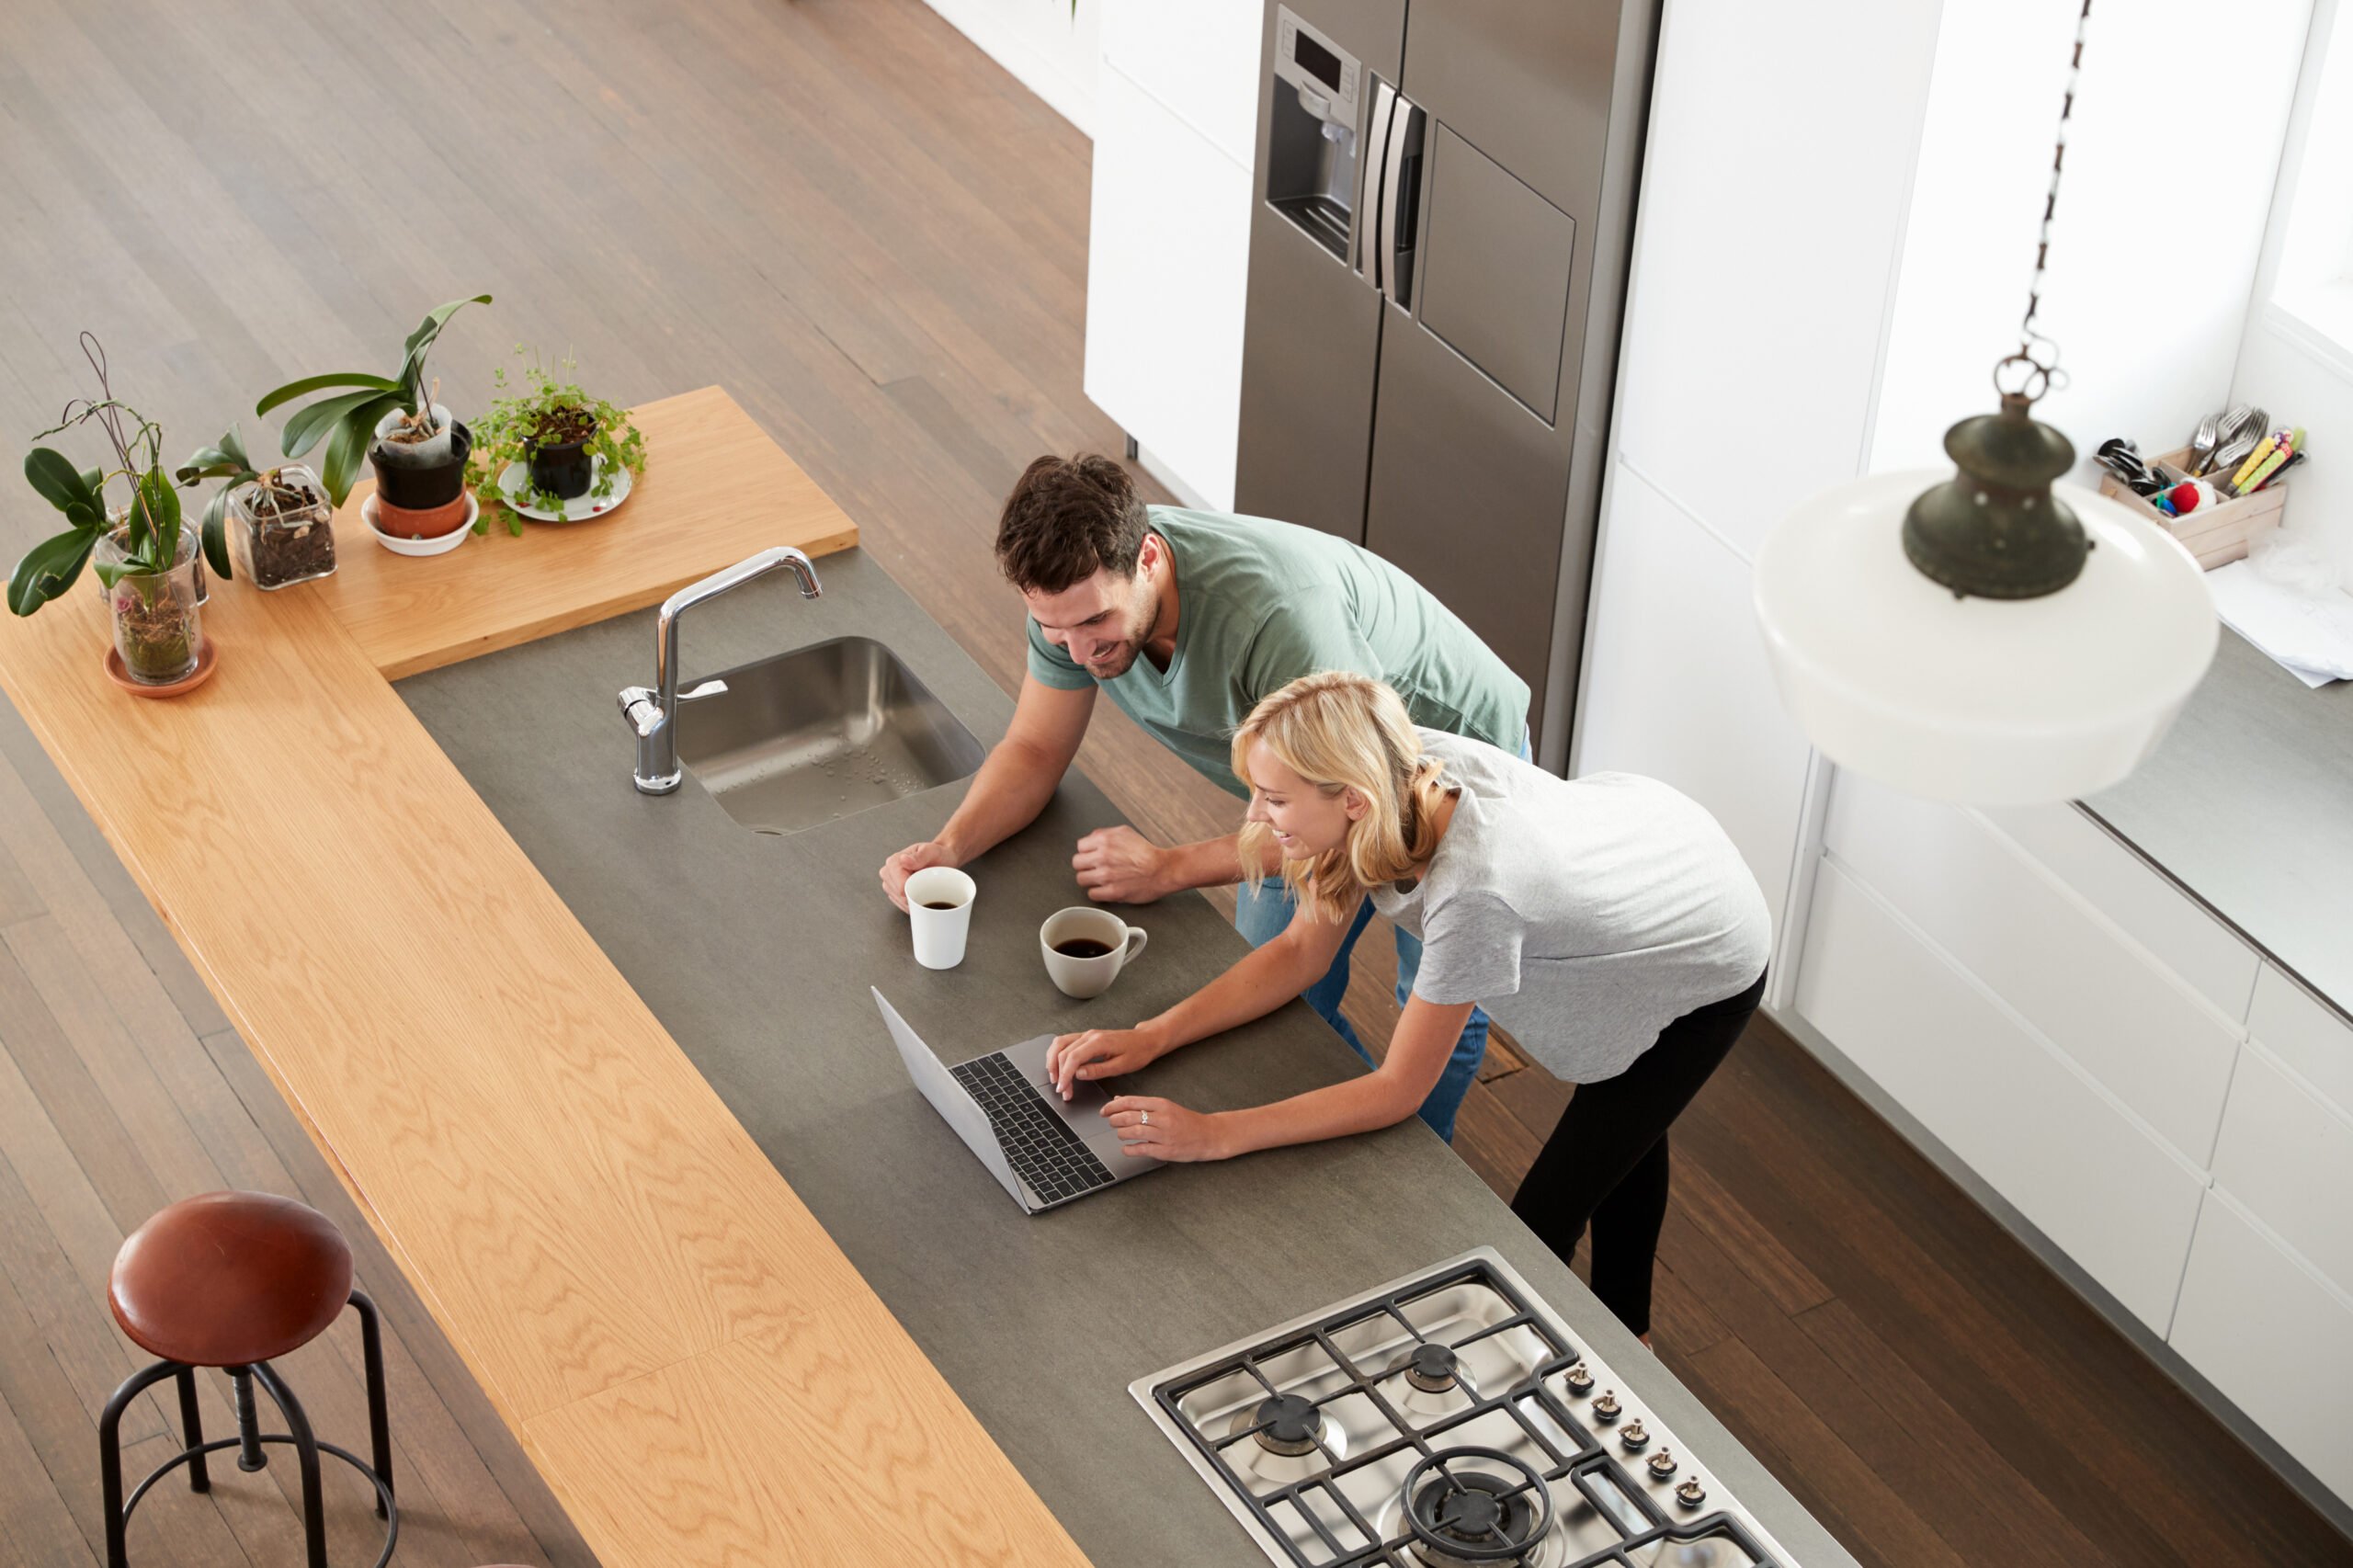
point(1088, 976)
point(939, 907)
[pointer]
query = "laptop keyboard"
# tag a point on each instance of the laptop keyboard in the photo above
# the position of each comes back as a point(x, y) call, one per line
point(1038, 1144)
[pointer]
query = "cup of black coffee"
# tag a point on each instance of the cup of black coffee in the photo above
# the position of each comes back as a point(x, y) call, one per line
point(1085, 949)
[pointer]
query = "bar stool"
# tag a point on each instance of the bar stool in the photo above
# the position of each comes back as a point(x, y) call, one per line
point(234, 1280)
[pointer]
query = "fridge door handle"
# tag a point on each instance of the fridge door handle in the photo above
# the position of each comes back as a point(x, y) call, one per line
point(1369, 183)
point(1396, 143)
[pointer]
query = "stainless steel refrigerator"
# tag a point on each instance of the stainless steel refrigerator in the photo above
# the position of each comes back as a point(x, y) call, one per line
point(1437, 264)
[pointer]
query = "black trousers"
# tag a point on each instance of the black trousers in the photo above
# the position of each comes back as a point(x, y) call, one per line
point(1606, 1165)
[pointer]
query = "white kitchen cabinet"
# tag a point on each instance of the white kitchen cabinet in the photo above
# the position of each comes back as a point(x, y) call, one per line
point(2161, 1047)
point(1200, 60)
point(1679, 688)
point(2273, 1337)
point(1754, 319)
point(2287, 1158)
point(1167, 274)
point(2115, 1200)
point(2305, 1034)
point(2175, 928)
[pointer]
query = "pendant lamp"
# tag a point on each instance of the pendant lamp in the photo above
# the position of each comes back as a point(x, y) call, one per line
point(1991, 638)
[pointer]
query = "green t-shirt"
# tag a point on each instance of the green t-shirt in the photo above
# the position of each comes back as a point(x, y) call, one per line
point(1261, 603)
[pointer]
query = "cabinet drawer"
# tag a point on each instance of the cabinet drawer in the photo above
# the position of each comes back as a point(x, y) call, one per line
point(2276, 1341)
point(2288, 1160)
point(2196, 946)
point(2109, 1196)
point(2306, 1035)
point(2156, 1044)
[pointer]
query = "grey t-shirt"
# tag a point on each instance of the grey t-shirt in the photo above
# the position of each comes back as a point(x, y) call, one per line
point(1585, 914)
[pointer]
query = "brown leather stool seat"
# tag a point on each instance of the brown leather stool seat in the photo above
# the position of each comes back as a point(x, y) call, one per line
point(235, 1280)
point(229, 1278)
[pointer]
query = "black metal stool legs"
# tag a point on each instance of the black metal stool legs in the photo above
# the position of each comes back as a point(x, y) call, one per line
point(110, 1446)
point(248, 1443)
point(192, 1426)
point(380, 1431)
point(306, 1453)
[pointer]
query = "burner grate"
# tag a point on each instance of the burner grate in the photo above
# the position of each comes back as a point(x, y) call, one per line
point(1560, 1450)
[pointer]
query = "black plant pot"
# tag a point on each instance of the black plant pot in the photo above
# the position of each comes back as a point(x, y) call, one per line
point(422, 488)
point(563, 468)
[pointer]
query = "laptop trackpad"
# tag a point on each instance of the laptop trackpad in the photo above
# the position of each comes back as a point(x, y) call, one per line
point(1083, 1113)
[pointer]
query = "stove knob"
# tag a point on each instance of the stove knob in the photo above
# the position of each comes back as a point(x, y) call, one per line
point(1606, 1407)
point(1692, 1493)
point(1663, 1464)
point(1633, 1436)
point(1580, 1380)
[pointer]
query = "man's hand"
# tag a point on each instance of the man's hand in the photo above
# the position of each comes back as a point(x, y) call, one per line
point(906, 863)
point(1165, 1129)
point(1119, 865)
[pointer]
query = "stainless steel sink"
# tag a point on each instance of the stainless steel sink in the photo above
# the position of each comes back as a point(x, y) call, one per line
point(820, 733)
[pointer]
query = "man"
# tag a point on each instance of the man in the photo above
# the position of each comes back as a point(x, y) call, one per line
point(1187, 619)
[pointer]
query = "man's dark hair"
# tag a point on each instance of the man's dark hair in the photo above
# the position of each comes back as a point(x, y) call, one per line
point(1066, 519)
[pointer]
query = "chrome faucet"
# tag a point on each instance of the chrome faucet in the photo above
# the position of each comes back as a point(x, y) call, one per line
point(650, 713)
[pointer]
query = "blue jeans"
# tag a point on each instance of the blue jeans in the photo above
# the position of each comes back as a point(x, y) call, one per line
point(1261, 913)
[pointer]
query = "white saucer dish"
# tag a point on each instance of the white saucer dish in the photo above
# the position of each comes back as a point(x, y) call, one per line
point(515, 488)
point(438, 546)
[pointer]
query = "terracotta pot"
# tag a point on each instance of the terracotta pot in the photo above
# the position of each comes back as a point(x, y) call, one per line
point(430, 522)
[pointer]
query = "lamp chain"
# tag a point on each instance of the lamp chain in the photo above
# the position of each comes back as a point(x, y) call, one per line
point(2045, 365)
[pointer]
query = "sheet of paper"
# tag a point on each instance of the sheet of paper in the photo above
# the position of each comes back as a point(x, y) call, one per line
point(2311, 635)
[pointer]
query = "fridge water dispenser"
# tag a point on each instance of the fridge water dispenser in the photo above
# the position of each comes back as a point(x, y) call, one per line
point(1311, 137)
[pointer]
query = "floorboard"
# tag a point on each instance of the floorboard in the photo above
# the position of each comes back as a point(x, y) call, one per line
point(877, 240)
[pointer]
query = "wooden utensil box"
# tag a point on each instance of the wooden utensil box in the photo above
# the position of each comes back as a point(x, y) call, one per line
point(2216, 535)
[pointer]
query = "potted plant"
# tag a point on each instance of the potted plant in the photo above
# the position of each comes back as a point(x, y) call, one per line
point(417, 450)
point(280, 524)
point(554, 449)
point(148, 565)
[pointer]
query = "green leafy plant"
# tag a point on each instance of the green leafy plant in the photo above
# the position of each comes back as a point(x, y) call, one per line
point(551, 408)
point(348, 420)
point(227, 461)
point(150, 519)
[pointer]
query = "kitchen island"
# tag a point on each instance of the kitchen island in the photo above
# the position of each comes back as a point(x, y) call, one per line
point(602, 1072)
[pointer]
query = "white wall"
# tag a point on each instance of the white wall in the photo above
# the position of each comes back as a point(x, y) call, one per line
point(2146, 294)
point(1049, 46)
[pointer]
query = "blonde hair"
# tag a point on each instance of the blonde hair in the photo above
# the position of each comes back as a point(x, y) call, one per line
point(1340, 731)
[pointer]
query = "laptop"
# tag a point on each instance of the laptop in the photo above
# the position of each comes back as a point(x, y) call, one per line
point(1042, 1151)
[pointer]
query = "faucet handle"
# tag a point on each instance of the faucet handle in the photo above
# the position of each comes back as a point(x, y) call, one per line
point(641, 709)
point(705, 688)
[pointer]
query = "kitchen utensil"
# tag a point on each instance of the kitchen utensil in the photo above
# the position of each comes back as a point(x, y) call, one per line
point(2229, 456)
point(2202, 445)
point(1085, 977)
point(2274, 461)
point(2122, 458)
point(2255, 459)
point(940, 909)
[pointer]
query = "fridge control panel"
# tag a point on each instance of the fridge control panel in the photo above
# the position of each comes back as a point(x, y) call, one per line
point(1325, 75)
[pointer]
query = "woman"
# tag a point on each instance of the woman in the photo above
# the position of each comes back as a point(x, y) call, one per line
point(1607, 922)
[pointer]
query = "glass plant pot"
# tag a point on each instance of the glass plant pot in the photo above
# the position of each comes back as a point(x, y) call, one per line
point(158, 625)
point(284, 534)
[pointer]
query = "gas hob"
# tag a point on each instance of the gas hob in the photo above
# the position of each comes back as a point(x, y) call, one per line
point(1445, 1420)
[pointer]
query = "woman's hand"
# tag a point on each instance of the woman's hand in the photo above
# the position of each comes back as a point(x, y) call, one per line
point(1099, 1053)
point(1165, 1129)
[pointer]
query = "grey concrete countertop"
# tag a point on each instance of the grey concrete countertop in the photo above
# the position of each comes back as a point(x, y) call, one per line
point(755, 952)
point(2248, 803)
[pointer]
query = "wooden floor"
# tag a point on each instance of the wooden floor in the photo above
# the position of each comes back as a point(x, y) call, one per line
point(877, 241)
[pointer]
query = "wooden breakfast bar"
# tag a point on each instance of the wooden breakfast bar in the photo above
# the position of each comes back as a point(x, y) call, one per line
point(682, 1350)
